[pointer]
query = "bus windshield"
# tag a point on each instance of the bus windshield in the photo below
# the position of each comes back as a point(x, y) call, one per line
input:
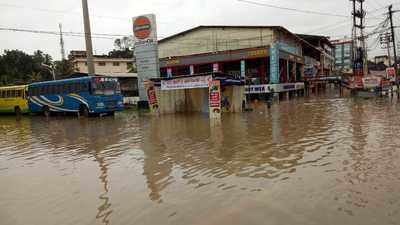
point(105, 86)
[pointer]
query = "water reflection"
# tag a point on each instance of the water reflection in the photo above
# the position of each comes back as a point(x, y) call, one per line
point(323, 154)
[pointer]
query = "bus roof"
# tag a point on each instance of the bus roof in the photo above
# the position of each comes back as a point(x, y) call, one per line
point(16, 87)
point(60, 81)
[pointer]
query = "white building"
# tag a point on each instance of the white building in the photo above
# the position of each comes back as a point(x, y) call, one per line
point(103, 64)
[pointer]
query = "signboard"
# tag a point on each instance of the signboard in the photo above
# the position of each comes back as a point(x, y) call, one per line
point(146, 50)
point(391, 74)
point(186, 83)
point(215, 67)
point(215, 98)
point(371, 82)
point(151, 95)
point(274, 65)
point(242, 68)
point(273, 88)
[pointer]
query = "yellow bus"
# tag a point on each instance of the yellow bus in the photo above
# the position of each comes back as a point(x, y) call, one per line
point(13, 99)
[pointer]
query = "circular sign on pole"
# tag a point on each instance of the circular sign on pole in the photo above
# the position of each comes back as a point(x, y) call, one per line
point(142, 27)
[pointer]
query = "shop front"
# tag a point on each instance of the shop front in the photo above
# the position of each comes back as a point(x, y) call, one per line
point(212, 93)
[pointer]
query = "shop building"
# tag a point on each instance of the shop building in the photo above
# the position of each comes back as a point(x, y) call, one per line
point(343, 56)
point(319, 56)
point(267, 58)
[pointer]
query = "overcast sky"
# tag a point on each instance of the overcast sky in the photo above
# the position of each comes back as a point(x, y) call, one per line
point(114, 17)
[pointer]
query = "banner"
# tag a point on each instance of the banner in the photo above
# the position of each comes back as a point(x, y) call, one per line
point(146, 50)
point(215, 98)
point(186, 83)
point(151, 96)
point(391, 74)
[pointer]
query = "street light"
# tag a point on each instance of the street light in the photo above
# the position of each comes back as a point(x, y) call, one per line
point(51, 69)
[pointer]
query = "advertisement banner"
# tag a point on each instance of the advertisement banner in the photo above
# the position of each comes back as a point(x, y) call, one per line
point(371, 82)
point(151, 96)
point(146, 50)
point(391, 74)
point(215, 98)
point(186, 83)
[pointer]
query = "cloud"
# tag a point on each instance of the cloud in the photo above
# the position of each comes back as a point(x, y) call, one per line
point(114, 17)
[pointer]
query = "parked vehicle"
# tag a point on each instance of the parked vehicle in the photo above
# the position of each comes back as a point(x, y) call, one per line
point(13, 99)
point(85, 96)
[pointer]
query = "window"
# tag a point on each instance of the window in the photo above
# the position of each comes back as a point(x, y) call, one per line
point(102, 63)
point(115, 63)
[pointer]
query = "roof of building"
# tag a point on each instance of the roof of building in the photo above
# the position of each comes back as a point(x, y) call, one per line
point(310, 38)
point(233, 27)
point(223, 27)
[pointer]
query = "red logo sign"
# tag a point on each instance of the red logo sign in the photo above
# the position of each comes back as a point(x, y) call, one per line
point(142, 27)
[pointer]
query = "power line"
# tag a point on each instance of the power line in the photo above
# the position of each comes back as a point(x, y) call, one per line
point(293, 9)
point(72, 34)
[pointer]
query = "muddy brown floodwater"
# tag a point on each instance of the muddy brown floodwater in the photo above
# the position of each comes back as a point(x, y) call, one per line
point(318, 160)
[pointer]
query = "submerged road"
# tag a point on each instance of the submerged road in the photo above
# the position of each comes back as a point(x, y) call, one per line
point(316, 160)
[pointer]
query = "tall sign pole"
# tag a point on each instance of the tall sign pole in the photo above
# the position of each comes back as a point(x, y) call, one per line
point(393, 39)
point(88, 38)
point(146, 53)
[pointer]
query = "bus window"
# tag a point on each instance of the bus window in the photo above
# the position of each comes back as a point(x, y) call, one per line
point(18, 93)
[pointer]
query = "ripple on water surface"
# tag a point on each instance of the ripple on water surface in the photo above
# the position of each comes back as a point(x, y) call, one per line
point(307, 161)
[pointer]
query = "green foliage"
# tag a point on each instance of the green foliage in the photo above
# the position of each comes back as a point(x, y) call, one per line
point(17, 67)
point(123, 48)
point(63, 68)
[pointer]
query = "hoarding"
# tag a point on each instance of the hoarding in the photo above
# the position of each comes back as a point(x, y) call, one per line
point(186, 83)
point(215, 98)
point(151, 96)
point(146, 50)
point(391, 74)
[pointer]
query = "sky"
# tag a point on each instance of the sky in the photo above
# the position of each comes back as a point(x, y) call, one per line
point(114, 18)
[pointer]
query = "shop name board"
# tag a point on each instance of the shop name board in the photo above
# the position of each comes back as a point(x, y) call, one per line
point(258, 53)
point(273, 88)
point(186, 83)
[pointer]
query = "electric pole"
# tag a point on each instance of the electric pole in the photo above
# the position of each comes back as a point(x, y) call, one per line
point(360, 67)
point(88, 38)
point(62, 43)
point(393, 39)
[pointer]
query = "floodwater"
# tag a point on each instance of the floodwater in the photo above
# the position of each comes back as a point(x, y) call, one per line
point(315, 160)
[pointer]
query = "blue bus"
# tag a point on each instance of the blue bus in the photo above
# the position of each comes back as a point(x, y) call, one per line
point(85, 96)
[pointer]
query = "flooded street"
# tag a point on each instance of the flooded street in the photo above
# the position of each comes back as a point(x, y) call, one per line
point(316, 160)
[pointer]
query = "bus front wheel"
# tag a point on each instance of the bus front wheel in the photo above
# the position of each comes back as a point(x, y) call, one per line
point(83, 111)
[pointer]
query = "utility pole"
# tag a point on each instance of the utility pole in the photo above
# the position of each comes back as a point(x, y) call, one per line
point(394, 40)
point(360, 67)
point(62, 42)
point(88, 38)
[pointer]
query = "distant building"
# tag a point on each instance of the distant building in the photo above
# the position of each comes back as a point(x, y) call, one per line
point(343, 55)
point(103, 64)
point(318, 54)
point(384, 59)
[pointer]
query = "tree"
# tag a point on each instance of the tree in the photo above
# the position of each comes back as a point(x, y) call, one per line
point(17, 67)
point(63, 69)
point(123, 48)
point(124, 43)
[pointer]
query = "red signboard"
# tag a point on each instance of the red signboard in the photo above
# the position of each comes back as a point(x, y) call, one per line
point(215, 98)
